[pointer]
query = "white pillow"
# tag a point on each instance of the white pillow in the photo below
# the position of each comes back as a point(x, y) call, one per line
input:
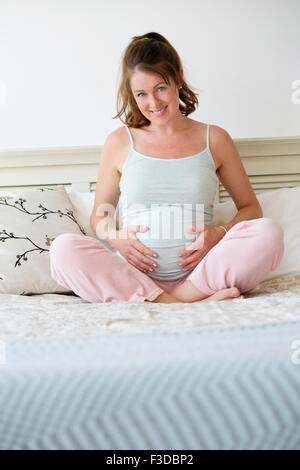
point(281, 205)
point(83, 203)
point(29, 221)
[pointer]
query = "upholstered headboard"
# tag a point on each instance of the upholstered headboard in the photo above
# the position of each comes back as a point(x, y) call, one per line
point(270, 164)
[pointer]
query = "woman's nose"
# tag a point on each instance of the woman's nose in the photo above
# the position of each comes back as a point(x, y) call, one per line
point(154, 103)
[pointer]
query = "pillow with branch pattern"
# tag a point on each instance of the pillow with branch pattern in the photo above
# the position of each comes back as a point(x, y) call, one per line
point(29, 222)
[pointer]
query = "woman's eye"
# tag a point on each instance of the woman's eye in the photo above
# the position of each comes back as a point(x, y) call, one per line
point(160, 88)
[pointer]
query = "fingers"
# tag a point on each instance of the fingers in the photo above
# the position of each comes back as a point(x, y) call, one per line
point(137, 261)
point(189, 267)
point(141, 252)
point(139, 246)
point(137, 228)
point(141, 228)
point(190, 262)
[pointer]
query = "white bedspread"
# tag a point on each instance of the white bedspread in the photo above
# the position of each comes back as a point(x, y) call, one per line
point(57, 315)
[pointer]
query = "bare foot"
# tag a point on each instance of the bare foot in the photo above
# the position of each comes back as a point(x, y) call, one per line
point(224, 294)
point(188, 293)
point(165, 298)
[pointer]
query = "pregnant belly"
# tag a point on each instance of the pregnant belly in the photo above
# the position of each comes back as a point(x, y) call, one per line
point(167, 236)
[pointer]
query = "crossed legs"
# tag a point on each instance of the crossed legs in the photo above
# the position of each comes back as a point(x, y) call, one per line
point(242, 259)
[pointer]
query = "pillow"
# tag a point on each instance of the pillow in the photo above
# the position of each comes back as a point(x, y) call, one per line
point(29, 221)
point(281, 205)
point(83, 203)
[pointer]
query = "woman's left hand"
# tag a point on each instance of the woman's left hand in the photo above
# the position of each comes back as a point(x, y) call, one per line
point(208, 237)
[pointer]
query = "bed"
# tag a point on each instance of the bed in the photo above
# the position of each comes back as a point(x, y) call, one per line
point(125, 375)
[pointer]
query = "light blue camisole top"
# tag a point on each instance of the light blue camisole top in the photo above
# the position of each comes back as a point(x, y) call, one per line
point(169, 196)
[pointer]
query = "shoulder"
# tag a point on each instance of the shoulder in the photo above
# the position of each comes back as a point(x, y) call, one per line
point(218, 135)
point(117, 136)
point(118, 144)
point(221, 144)
point(116, 140)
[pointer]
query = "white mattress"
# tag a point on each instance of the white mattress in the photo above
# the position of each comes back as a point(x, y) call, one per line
point(58, 315)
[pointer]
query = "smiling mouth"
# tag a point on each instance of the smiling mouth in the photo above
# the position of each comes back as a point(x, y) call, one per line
point(159, 112)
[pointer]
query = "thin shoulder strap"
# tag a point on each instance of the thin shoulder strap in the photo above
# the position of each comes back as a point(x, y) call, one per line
point(130, 136)
point(207, 136)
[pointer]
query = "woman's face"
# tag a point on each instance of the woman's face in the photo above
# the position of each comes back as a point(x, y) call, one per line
point(152, 95)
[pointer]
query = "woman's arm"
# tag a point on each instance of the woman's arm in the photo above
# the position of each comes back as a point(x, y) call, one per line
point(234, 178)
point(107, 190)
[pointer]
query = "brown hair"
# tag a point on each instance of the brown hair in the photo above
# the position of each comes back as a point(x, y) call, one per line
point(152, 53)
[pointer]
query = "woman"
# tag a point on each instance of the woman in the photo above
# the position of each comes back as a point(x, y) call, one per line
point(162, 160)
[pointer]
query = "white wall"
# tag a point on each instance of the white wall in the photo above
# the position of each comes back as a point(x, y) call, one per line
point(59, 65)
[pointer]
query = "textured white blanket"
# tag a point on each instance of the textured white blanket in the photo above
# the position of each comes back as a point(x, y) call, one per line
point(58, 315)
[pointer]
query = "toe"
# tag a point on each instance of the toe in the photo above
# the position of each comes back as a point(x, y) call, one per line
point(234, 291)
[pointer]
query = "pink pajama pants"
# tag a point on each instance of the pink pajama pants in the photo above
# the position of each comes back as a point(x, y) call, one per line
point(243, 258)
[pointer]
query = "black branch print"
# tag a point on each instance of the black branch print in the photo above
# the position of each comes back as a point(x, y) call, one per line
point(19, 205)
point(4, 236)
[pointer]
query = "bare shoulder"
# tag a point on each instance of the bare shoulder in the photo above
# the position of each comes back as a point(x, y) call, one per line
point(220, 143)
point(116, 137)
point(117, 141)
point(218, 135)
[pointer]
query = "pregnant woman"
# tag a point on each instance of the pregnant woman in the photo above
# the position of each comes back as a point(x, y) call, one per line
point(163, 167)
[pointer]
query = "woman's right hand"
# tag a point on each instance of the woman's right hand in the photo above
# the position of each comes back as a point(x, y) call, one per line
point(132, 249)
